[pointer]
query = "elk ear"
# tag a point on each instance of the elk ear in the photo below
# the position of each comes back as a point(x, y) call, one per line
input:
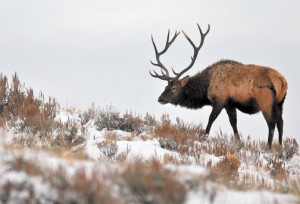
point(184, 80)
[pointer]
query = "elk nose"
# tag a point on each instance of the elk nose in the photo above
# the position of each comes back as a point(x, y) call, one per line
point(161, 100)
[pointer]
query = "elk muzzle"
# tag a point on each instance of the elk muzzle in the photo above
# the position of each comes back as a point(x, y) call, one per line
point(162, 101)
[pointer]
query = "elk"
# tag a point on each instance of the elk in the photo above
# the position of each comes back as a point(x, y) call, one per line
point(225, 84)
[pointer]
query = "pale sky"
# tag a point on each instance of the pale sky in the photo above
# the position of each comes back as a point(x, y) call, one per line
point(82, 52)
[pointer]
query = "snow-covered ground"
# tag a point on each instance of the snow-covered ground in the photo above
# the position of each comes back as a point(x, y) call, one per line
point(36, 175)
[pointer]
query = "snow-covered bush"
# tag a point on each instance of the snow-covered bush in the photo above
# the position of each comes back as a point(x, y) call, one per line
point(228, 166)
point(108, 119)
point(152, 183)
point(33, 118)
point(178, 136)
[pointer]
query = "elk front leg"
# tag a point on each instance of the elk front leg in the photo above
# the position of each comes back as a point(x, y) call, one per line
point(213, 115)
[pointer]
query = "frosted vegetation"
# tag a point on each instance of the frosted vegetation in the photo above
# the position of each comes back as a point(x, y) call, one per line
point(51, 154)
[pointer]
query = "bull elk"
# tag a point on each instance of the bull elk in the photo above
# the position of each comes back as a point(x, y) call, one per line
point(225, 84)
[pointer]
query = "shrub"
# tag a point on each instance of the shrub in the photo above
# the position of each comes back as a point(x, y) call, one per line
point(228, 166)
point(67, 136)
point(31, 114)
point(34, 117)
point(149, 120)
point(16, 96)
point(19, 108)
point(109, 146)
point(81, 187)
point(219, 145)
point(89, 115)
point(4, 92)
point(108, 118)
point(170, 136)
point(151, 183)
point(111, 119)
point(48, 110)
point(149, 123)
point(84, 189)
point(277, 169)
point(179, 136)
point(131, 123)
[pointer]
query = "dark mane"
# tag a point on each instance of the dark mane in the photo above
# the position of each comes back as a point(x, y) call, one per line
point(195, 91)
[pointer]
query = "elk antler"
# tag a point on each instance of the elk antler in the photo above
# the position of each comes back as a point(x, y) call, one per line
point(165, 73)
point(196, 50)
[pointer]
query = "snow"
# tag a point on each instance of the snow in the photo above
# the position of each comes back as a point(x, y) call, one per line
point(66, 116)
point(235, 197)
point(144, 150)
point(135, 149)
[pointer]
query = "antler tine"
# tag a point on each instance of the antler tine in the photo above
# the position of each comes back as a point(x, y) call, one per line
point(165, 75)
point(176, 73)
point(162, 77)
point(196, 49)
point(203, 35)
point(169, 42)
point(157, 55)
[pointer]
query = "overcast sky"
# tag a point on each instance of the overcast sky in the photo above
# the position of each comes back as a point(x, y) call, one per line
point(98, 51)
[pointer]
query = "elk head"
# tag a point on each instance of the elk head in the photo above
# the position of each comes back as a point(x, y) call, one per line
point(173, 90)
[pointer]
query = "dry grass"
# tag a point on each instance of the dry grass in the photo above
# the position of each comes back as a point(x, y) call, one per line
point(33, 117)
point(228, 166)
point(111, 119)
point(109, 146)
point(138, 182)
point(180, 136)
point(81, 187)
point(151, 183)
point(277, 169)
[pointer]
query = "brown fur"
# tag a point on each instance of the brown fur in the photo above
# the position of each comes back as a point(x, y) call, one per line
point(230, 79)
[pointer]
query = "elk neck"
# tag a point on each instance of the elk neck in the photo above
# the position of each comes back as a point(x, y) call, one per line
point(194, 93)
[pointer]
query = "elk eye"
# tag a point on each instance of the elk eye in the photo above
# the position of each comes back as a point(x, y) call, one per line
point(173, 88)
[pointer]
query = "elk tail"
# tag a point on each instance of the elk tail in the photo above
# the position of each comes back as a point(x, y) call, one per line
point(280, 85)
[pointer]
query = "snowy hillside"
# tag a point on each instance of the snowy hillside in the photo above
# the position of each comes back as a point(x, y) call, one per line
point(51, 154)
point(115, 166)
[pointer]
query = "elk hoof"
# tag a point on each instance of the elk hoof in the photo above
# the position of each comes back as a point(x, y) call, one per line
point(239, 144)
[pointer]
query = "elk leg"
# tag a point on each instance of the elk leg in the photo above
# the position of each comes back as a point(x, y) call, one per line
point(213, 115)
point(271, 133)
point(271, 121)
point(279, 122)
point(280, 130)
point(231, 112)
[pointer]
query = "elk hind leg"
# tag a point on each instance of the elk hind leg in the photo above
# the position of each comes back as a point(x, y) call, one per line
point(271, 121)
point(279, 121)
point(231, 112)
point(266, 102)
